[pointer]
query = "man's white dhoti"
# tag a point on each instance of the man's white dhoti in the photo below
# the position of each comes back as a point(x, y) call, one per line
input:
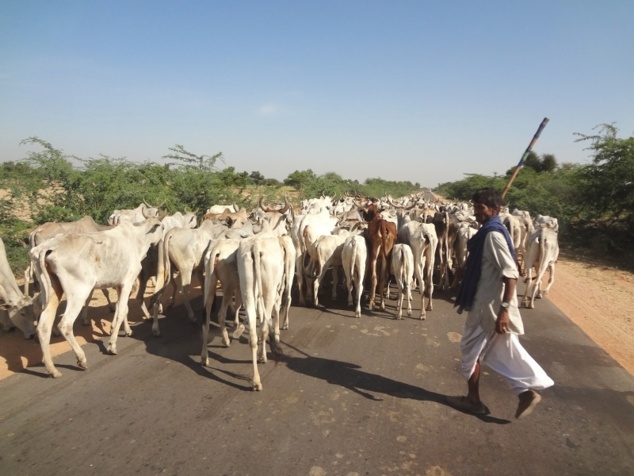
point(505, 355)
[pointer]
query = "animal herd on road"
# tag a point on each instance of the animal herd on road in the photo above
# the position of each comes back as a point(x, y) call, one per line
point(258, 258)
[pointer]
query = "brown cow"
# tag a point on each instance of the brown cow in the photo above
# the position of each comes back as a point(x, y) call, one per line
point(380, 237)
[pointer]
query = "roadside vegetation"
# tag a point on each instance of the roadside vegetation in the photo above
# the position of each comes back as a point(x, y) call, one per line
point(594, 203)
point(49, 185)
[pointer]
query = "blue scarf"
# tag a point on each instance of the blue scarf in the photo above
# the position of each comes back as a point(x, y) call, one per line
point(475, 247)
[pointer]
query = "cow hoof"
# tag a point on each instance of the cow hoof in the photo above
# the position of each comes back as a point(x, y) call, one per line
point(82, 364)
point(204, 362)
point(112, 350)
point(238, 332)
point(56, 374)
point(257, 387)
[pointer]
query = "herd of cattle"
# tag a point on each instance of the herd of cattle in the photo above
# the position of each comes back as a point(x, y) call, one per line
point(257, 257)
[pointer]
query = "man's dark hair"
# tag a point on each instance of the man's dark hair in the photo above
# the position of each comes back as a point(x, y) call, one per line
point(490, 197)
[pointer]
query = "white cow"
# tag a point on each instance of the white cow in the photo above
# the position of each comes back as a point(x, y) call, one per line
point(549, 222)
point(403, 271)
point(465, 233)
point(423, 240)
point(180, 220)
point(16, 308)
point(219, 209)
point(354, 257)
point(321, 223)
point(290, 256)
point(135, 215)
point(543, 252)
point(261, 270)
point(527, 229)
point(182, 248)
point(327, 253)
point(48, 230)
point(220, 261)
point(75, 264)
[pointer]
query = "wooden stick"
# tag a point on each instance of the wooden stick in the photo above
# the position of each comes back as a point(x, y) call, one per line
point(526, 152)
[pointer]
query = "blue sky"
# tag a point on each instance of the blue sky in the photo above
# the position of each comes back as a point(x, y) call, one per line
point(401, 90)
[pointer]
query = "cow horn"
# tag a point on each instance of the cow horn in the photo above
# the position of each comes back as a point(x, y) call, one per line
point(287, 205)
point(261, 205)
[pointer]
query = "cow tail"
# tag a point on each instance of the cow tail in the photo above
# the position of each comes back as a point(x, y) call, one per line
point(163, 268)
point(38, 262)
point(257, 264)
point(404, 269)
point(542, 251)
point(214, 251)
point(353, 260)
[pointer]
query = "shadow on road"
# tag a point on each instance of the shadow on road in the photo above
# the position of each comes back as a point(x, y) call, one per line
point(366, 384)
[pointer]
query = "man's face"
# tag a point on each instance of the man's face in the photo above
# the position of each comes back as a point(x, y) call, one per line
point(483, 212)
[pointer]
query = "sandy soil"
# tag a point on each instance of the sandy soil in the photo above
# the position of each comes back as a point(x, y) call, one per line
point(597, 298)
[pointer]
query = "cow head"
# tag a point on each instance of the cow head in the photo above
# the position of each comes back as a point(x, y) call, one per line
point(21, 315)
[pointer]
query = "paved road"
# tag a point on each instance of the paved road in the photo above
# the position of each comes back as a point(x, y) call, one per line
point(349, 397)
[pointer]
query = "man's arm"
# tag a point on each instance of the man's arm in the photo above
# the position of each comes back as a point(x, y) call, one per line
point(502, 324)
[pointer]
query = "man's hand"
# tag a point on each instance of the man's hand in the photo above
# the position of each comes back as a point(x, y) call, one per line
point(503, 323)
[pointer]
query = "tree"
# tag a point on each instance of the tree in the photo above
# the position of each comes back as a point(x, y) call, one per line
point(256, 178)
point(610, 177)
point(189, 159)
point(548, 163)
point(300, 180)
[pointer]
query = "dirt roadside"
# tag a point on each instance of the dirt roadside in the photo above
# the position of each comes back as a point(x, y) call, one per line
point(595, 297)
point(599, 299)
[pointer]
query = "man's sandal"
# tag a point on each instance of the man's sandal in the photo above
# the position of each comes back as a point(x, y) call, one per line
point(464, 404)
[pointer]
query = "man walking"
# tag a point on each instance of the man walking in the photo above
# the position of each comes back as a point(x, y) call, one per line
point(488, 293)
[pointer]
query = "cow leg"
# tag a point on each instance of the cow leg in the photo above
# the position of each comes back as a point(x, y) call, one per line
point(543, 266)
point(45, 325)
point(430, 284)
point(210, 285)
point(335, 282)
point(383, 274)
point(551, 278)
point(120, 316)
point(237, 305)
point(84, 311)
point(73, 308)
point(316, 283)
point(106, 294)
point(419, 266)
point(286, 303)
point(348, 271)
point(299, 276)
point(408, 289)
point(527, 288)
point(359, 288)
point(373, 259)
point(222, 317)
point(253, 343)
point(399, 299)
